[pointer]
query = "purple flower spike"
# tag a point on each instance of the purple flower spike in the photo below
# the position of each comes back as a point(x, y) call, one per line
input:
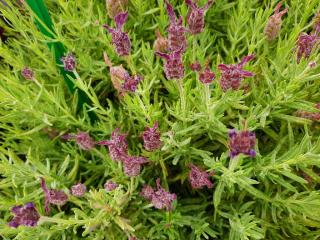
point(176, 32)
point(273, 26)
point(53, 196)
point(118, 145)
point(206, 76)
point(84, 141)
point(198, 178)
point(110, 186)
point(195, 16)
point(173, 66)
point(162, 199)
point(242, 142)
point(305, 45)
point(78, 190)
point(233, 74)
point(27, 73)
point(131, 83)
point(120, 39)
point(132, 165)
point(26, 215)
point(69, 62)
point(151, 138)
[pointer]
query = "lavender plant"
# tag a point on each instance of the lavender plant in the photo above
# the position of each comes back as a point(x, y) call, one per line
point(218, 139)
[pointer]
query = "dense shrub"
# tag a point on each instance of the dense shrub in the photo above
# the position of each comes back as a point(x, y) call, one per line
point(149, 125)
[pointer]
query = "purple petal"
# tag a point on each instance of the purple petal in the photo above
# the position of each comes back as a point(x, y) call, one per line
point(13, 224)
point(170, 10)
point(246, 59)
point(246, 73)
point(163, 55)
point(223, 67)
point(109, 29)
point(252, 153)
point(120, 19)
point(16, 209)
point(29, 205)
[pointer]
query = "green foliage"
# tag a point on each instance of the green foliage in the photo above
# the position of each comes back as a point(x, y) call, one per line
point(272, 196)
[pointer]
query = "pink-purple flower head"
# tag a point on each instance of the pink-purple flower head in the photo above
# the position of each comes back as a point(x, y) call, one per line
point(118, 145)
point(242, 142)
point(120, 39)
point(316, 23)
point(195, 16)
point(151, 138)
point(173, 66)
point(78, 190)
point(53, 196)
point(69, 62)
point(199, 178)
point(305, 44)
point(273, 26)
point(233, 74)
point(132, 165)
point(160, 198)
point(207, 76)
point(27, 73)
point(26, 215)
point(110, 186)
point(176, 32)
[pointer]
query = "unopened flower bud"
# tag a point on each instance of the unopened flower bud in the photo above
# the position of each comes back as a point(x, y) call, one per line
point(69, 62)
point(114, 7)
point(27, 73)
point(273, 26)
point(78, 190)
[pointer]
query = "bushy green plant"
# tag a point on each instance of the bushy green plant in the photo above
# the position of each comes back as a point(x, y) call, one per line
point(273, 195)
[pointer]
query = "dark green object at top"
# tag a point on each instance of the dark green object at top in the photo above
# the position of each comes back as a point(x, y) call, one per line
point(45, 25)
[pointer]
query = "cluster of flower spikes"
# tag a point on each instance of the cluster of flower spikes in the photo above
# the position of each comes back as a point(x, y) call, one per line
point(206, 76)
point(118, 149)
point(121, 79)
point(273, 26)
point(120, 39)
point(160, 198)
point(177, 42)
point(314, 116)
point(233, 74)
point(242, 142)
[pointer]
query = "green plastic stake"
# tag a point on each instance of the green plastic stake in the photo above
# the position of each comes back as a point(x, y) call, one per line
point(45, 25)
